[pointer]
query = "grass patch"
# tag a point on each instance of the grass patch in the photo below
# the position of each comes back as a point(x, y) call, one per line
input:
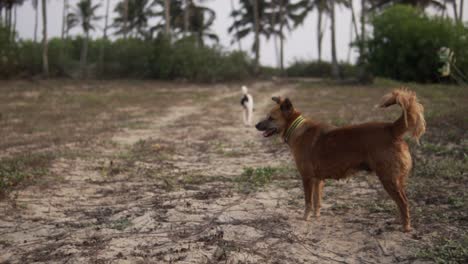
point(150, 151)
point(253, 179)
point(341, 206)
point(443, 167)
point(446, 251)
point(381, 207)
point(120, 224)
point(22, 169)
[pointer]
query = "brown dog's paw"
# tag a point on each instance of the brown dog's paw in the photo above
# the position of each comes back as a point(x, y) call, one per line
point(306, 216)
point(407, 229)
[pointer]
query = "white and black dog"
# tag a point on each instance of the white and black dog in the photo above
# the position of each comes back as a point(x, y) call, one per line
point(247, 105)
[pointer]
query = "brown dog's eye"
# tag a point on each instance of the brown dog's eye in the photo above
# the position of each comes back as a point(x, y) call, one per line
point(270, 118)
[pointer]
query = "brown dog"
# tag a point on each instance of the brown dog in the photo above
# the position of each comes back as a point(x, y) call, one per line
point(324, 152)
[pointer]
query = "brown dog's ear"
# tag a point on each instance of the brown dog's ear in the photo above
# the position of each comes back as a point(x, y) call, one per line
point(286, 106)
point(277, 99)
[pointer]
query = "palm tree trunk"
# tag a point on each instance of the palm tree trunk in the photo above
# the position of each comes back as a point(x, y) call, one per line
point(460, 14)
point(319, 35)
point(10, 16)
point(335, 68)
point(281, 36)
point(5, 23)
point(125, 19)
point(237, 31)
point(351, 36)
point(104, 39)
point(275, 35)
point(455, 13)
point(186, 17)
point(13, 32)
point(354, 20)
point(257, 36)
point(64, 18)
point(167, 17)
point(364, 75)
point(6, 17)
point(84, 55)
point(363, 28)
point(36, 16)
point(45, 55)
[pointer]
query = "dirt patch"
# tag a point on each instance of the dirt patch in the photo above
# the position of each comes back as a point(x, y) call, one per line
point(176, 177)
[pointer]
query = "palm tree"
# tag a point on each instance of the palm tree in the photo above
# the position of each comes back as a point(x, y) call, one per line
point(85, 14)
point(35, 4)
point(187, 6)
point(251, 17)
point(10, 15)
point(287, 14)
point(104, 37)
point(328, 7)
point(195, 20)
point(125, 18)
point(457, 11)
point(322, 7)
point(184, 17)
point(422, 4)
point(8, 5)
point(64, 18)
point(320, 30)
point(133, 18)
point(167, 16)
point(460, 15)
point(15, 8)
point(45, 52)
point(172, 16)
point(335, 69)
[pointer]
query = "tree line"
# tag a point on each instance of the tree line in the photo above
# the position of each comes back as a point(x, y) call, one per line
point(176, 19)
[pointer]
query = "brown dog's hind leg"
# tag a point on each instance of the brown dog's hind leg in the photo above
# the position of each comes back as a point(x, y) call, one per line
point(317, 196)
point(396, 191)
point(308, 196)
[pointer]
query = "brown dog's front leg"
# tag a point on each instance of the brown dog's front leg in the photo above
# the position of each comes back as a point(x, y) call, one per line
point(308, 188)
point(317, 196)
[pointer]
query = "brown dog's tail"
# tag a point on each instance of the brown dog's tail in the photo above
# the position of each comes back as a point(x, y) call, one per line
point(412, 118)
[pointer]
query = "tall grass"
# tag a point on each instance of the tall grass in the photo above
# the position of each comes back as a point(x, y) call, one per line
point(184, 59)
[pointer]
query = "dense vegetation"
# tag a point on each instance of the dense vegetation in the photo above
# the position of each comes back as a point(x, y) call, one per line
point(130, 58)
point(403, 44)
point(319, 69)
point(406, 42)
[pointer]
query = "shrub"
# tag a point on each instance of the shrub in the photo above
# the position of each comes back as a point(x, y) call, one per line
point(301, 68)
point(405, 44)
point(319, 69)
point(127, 58)
point(8, 53)
point(186, 59)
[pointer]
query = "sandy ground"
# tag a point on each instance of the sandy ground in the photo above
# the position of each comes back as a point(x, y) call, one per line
point(168, 191)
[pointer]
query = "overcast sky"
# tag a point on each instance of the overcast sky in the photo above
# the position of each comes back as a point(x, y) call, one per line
point(300, 44)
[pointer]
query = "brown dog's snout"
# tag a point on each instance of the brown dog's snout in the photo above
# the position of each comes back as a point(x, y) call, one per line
point(260, 126)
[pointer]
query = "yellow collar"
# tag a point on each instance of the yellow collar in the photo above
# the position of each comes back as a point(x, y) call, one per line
point(295, 124)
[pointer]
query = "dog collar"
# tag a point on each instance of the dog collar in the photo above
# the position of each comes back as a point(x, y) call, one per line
point(295, 124)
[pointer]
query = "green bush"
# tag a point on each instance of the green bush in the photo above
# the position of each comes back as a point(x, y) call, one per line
point(126, 58)
point(302, 68)
point(406, 42)
point(186, 59)
point(8, 54)
point(319, 69)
